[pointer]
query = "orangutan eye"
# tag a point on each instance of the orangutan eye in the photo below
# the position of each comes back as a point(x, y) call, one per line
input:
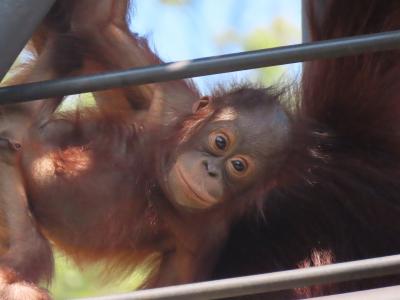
point(220, 142)
point(238, 165)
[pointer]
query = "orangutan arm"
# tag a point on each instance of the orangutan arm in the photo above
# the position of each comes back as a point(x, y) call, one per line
point(107, 35)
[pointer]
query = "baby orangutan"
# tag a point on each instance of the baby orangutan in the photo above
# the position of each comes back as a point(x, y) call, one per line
point(160, 170)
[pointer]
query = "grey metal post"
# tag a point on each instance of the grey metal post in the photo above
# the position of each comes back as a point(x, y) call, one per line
point(18, 20)
point(202, 66)
point(277, 281)
point(319, 7)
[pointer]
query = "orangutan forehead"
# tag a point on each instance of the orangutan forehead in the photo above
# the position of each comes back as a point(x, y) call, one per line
point(226, 114)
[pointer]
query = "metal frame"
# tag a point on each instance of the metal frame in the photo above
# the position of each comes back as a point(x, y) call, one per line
point(319, 9)
point(270, 282)
point(202, 66)
point(18, 21)
point(18, 15)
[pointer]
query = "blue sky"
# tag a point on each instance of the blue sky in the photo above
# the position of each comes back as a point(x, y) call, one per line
point(190, 31)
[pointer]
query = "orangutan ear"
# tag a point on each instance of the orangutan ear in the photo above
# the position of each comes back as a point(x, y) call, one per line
point(201, 103)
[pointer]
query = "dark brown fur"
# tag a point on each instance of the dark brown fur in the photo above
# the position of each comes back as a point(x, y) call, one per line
point(340, 201)
point(335, 199)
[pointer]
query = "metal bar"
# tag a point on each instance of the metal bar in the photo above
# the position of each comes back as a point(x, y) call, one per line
point(305, 32)
point(18, 21)
point(202, 66)
point(269, 282)
point(388, 293)
point(319, 9)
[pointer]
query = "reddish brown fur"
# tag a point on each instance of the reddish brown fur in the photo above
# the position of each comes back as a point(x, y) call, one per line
point(106, 204)
point(105, 184)
point(93, 178)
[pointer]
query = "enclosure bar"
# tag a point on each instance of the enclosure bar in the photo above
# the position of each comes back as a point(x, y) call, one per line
point(202, 66)
point(277, 281)
point(18, 21)
point(319, 8)
point(305, 32)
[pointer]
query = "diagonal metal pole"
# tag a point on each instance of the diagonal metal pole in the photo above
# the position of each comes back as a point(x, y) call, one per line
point(18, 21)
point(270, 282)
point(202, 66)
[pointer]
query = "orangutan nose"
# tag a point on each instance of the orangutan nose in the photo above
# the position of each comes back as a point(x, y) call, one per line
point(210, 168)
